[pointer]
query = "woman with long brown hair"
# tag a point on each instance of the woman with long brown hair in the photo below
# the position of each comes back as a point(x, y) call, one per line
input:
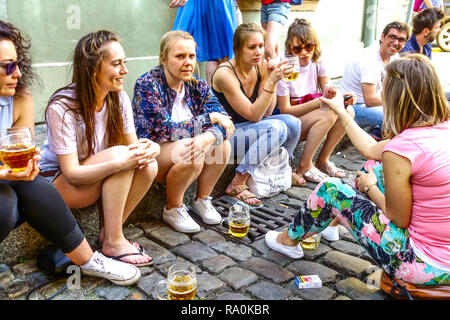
point(27, 196)
point(245, 86)
point(92, 149)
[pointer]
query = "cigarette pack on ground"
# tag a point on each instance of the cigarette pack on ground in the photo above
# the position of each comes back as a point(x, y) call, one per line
point(310, 281)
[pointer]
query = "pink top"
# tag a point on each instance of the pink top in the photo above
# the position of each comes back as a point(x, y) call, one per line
point(305, 83)
point(427, 148)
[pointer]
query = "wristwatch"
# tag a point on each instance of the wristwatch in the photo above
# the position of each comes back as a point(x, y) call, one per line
point(367, 187)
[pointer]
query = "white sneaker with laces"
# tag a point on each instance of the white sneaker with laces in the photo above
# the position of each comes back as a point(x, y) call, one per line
point(330, 233)
point(205, 209)
point(294, 252)
point(120, 273)
point(180, 220)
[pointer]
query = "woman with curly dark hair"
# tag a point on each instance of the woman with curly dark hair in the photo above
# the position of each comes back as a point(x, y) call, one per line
point(27, 196)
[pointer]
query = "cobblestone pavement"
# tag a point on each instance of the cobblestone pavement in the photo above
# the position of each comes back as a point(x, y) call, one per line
point(227, 269)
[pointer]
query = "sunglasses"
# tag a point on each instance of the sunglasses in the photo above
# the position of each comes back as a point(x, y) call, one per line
point(10, 66)
point(393, 37)
point(308, 47)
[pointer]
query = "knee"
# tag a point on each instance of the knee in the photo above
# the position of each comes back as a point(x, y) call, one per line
point(150, 171)
point(278, 129)
point(294, 124)
point(220, 154)
point(330, 117)
point(9, 214)
point(117, 150)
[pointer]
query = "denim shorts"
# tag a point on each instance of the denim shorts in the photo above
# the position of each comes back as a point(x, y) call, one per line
point(275, 11)
point(51, 174)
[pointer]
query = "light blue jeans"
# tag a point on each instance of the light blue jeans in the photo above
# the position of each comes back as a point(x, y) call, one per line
point(368, 116)
point(254, 141)
point(277, 11)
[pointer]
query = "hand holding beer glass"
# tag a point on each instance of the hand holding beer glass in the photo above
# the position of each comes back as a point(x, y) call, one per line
point(292, 62)
point(17, 148)
point(181, 283)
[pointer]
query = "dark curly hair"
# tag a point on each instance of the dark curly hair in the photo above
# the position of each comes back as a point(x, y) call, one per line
point(22, 45)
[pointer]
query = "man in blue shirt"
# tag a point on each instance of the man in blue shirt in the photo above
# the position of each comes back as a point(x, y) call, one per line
point(426, 26)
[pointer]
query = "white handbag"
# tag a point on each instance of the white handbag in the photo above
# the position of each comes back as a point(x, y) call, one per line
point(272, 176)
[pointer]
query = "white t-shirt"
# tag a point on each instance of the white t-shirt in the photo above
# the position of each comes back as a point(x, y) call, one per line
point(66, 131)
point(180, 109)
point(367, 67)
point(305, 83)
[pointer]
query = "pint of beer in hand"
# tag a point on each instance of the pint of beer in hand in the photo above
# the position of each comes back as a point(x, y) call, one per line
point(293, 62)
point(17, 147)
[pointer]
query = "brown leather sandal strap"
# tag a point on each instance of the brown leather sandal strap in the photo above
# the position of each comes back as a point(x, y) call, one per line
point(238, 189)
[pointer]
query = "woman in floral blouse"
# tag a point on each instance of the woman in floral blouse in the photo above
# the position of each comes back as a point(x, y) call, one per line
point(179, 111)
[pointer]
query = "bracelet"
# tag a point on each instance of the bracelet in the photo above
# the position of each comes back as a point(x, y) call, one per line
point(368, 187)
point(271, 92)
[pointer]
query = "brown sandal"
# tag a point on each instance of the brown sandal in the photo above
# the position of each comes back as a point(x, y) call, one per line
point(235, 193)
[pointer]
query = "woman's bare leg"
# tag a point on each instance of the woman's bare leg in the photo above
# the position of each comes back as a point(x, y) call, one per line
point(81, 254)
point(315, 126)
point(215, 163)
point(177, 175)
point(333, 137)
point(114, 191)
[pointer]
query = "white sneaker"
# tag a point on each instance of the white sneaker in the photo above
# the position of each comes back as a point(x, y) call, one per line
point(330, 233)
point(120, 273)
point(180, 220)
point(205, 209)
point(294, 252)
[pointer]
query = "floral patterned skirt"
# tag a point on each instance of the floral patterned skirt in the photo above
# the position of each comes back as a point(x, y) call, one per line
point(387, 244)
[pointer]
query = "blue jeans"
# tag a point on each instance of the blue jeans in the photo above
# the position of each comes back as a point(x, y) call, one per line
point(254, 141)
point(368, 116)
point(278, 11)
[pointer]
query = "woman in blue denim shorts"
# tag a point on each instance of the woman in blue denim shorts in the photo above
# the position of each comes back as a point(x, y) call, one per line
point(274, 14)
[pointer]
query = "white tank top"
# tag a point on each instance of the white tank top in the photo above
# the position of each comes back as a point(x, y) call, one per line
point(6, 112)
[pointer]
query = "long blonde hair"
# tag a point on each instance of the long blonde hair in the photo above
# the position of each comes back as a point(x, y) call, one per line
point(412, 95)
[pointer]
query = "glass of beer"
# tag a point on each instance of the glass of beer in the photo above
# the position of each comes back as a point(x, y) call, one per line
point(311, 243)
point(238, 221)
point(292, 61)
point(17, 147)
point(181, 283)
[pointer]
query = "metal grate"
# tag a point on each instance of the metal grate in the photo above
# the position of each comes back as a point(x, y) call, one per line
point(274, 215)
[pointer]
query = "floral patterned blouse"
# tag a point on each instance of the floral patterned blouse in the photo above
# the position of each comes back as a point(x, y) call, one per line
point(152, 107)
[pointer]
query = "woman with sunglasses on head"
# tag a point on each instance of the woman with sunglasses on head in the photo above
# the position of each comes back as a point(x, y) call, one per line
point(402, 217)
point(92, 151)
point(245, 86)
point(300, 98)
point(27, 196)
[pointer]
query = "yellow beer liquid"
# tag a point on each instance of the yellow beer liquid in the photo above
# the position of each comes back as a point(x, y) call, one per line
point(310, 243)
point(293, 76)
point(238, 229)
point(182, 288)
point(16, 156)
